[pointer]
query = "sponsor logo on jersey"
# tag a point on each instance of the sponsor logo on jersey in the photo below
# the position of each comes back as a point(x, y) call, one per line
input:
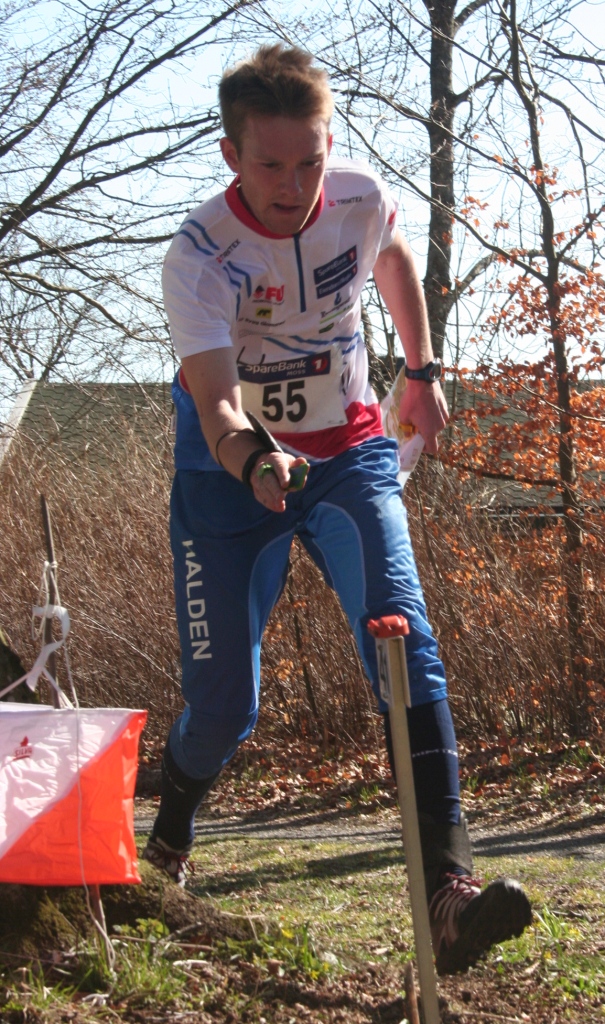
point(336, 266)
point(264, 313)
point(273, 294)
point(25, 749)
point(345, 202)
point(260, 321)
point(333, 276)
point(228, 251)
point(285, 369)
point(328, 318)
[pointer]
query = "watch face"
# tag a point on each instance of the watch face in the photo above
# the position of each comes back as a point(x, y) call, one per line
point(434, 370)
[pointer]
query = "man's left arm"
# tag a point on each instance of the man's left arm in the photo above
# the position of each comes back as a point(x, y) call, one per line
point(397, 280)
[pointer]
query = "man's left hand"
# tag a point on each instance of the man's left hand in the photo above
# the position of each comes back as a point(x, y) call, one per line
point(424, 406)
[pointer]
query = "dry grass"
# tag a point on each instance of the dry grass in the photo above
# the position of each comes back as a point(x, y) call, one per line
point(110, 523)
point(114, 571)
point(497, 602)
point(495, 599)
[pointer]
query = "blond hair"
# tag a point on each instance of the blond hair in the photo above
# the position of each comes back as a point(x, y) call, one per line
point(274, 81)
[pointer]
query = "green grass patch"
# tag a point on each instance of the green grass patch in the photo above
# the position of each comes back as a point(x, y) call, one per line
point(352, 901)
point(329, 920)
point(282, 951)
point(563, 953)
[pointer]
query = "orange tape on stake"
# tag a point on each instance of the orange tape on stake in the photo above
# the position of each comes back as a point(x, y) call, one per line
point(387, 626)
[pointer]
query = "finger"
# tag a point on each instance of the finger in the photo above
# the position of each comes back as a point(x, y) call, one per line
point(268, 471)
point(290, 478)
point(407, 429)
point(266, 487)
point(263, 470)
point(275, 502)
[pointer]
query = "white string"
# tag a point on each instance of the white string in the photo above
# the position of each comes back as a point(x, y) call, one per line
point(49, 571)
point(39, 668)
point(43, 591)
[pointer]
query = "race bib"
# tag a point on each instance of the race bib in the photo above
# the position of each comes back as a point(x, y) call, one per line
point(295, 395)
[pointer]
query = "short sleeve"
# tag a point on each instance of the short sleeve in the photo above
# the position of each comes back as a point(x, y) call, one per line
point(199, 307)
point(389, 217)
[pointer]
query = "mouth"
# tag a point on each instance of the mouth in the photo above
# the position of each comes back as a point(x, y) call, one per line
point(286, 208)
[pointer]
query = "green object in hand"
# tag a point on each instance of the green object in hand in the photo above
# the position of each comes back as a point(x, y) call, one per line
point(298, 475)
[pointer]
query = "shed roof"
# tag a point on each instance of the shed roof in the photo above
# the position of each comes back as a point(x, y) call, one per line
point(89, 419)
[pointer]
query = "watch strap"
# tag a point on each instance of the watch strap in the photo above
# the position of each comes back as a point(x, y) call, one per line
point(430, 373)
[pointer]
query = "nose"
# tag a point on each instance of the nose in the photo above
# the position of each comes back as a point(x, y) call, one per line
point(290, 183)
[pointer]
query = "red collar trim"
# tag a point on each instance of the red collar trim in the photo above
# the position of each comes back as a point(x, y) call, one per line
point(234, 202)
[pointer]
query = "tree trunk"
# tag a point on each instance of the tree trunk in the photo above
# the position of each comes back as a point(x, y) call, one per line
point(572, 510)
point(438, 282)
point(573, 568)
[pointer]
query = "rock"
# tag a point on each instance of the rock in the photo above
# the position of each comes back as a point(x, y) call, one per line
point(11, 668)
point(162, 900)
point(36, 921)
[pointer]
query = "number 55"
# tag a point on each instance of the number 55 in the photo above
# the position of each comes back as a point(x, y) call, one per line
point(273, 406)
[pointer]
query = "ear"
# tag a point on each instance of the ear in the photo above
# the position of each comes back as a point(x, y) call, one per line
point(229, 151)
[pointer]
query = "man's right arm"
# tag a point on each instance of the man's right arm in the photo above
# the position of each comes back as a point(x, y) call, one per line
point(214, 385)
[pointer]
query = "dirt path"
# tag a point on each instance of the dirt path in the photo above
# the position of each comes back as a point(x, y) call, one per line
point(499, 834)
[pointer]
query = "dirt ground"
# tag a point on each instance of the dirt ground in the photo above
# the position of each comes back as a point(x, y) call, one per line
point(226, 952)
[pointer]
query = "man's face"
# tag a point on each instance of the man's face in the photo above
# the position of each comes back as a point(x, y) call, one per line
point(281, 163)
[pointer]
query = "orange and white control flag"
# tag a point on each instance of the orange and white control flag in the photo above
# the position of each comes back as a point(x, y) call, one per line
point(67, 780)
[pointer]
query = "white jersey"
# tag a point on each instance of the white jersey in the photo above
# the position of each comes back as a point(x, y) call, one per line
point(288, 305)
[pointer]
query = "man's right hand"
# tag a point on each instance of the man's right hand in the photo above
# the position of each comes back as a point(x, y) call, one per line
point(270, 488)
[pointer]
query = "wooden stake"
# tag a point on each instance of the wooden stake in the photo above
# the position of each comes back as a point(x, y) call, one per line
point(395, 690)
point(410, 994)
point(94, 890)
point(52, 596)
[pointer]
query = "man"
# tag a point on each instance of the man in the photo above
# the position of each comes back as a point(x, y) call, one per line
point(262, 287)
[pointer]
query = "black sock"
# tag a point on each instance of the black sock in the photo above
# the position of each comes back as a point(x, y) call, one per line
point(180, 797)
point(434, 760)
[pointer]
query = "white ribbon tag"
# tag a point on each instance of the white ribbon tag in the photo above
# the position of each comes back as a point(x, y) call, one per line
point(31, 678)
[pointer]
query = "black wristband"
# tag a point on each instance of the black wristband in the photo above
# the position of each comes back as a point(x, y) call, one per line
point(245, 430)
point(249, 465)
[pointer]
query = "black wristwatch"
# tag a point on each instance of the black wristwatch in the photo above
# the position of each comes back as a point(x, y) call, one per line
point(430, 373)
